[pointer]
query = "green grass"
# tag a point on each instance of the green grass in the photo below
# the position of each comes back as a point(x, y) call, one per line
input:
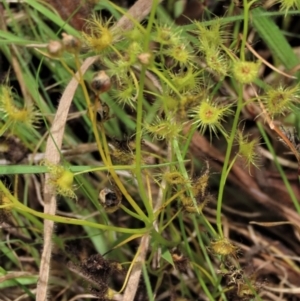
point(149, 185)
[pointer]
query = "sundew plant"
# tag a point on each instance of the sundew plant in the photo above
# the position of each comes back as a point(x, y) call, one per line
point(148, 154)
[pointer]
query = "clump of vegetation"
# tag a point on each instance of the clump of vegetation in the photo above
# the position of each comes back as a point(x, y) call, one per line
point(153, 148)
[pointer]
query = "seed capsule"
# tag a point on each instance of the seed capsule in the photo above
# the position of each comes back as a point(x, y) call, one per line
point(110, 199)
point(101, 82)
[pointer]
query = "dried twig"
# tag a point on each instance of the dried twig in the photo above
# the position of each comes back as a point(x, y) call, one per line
point(138, 12)
point(267, 63)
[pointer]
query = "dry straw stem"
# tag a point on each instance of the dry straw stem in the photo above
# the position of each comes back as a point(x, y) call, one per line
point(52, 154)
point(138, 11)
point(135, 275)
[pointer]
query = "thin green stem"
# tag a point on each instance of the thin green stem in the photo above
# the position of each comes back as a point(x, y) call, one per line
point(5, 127)
point(17, 205)
point(161, 76)
point(245, 29)
point(105, 155)
point(150, 25)
point(191, 132)
point(138, 140)
point(224, 173)
point(69, 69)
point(139, 120)
point(247, 6)
point(129, 212)
point(230, 166)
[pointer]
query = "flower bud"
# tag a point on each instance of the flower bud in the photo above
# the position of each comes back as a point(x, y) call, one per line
point(223, 247)
point(61, 179)
point(71, 43)
point(65, 181)
point(145, 58)
point(174, 178)
point(55, 48)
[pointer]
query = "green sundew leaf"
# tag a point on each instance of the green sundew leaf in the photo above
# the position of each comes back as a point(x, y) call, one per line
point(35, 169)
point(166, 255)
point(11, 256)
point(164, 16)
point(53, 17)
point(10, 38)
point(43, 32)
point(21, 281)
point(147, 282)
point(106, 5)
point(21, 169)
point(274, 38)
point(179, 8)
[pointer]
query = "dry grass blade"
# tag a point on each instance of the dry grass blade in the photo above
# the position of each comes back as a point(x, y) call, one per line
point(267, 63)
point(52, 154)
point(274, 224)
point(134, 278)
point(137, 12)
point(291, 290)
